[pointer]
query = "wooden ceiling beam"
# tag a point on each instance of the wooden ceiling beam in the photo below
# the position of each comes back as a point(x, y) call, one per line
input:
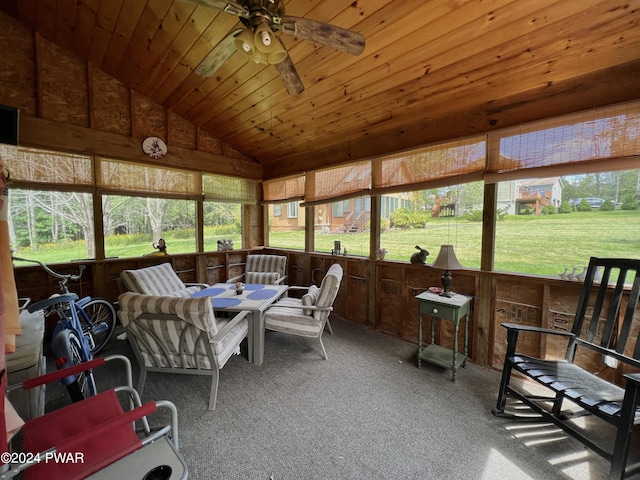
point(38, 133)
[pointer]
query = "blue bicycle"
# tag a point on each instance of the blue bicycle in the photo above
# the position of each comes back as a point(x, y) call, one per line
point(84, 327)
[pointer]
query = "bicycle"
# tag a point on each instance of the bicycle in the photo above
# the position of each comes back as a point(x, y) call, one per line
point(84, 327)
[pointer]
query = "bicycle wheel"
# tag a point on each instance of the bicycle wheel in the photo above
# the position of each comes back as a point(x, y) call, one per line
point(99, 323)
point(84, 386)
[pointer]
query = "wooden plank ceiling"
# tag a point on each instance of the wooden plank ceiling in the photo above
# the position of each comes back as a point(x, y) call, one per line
point(431, 69)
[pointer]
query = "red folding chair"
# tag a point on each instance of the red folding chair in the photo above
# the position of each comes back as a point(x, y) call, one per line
point(97, 437)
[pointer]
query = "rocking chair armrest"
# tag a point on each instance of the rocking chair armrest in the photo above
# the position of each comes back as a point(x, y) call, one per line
point(232, 323)
point(609, 352)
point(281, 280)
point(533, 329)
point(197, 284)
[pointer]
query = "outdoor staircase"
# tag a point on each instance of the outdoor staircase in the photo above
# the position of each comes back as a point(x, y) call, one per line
point(356, 225)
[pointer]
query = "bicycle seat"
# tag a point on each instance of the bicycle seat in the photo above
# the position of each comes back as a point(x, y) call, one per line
point(67, 297)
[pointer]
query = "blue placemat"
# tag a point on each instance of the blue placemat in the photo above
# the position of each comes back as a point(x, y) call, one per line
point(208, 292)
point(261, 294)
point(225, 302)
point(248, 286)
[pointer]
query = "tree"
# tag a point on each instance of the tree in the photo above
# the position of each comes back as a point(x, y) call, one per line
point(408, 218)
point(74, 208)
point(583, 206)
point(156, 208)
point(549, 210)
point(565, 207)
point(629, 203)
point(48, 217)
point(607, 206)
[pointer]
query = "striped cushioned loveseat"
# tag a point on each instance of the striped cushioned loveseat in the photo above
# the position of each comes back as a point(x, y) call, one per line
point(180, 335)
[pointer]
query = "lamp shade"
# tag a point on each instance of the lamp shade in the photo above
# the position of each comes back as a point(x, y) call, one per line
point(446, 259)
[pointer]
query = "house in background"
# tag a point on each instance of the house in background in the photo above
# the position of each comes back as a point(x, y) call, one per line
point(520, 197)
point(517, 197)
point(344, 216)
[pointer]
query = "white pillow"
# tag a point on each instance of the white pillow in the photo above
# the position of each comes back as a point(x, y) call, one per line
point(310, 298)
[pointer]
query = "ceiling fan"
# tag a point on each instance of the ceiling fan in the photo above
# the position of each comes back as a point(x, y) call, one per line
point(262, 18)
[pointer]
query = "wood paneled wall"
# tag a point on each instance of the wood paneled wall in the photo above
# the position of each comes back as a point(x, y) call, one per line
point(543, 302)
point(71, 106)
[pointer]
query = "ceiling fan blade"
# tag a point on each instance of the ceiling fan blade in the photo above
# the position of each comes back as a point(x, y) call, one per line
point(220, 54)
point(337, 38)
point(232, 8)
point(290, 76)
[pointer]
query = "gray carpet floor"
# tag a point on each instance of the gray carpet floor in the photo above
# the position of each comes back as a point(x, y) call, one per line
point(365, 413)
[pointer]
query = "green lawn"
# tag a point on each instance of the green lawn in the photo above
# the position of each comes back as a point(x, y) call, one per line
point(542, 245)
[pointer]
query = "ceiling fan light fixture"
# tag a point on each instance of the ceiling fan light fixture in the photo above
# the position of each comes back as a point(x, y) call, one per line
point(260, 57)
point(266, 38)
point(263, 39)
point(278, 54)
point(244, 43)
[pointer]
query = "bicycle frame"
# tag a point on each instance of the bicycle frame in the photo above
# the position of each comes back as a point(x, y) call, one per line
point(83, 329)
point(82, 315)
point(70, 322)
point(67, 309)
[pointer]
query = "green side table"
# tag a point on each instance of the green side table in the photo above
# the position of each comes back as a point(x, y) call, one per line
point(453, 309)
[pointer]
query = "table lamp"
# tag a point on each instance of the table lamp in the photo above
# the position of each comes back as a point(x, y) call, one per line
point(446, 260)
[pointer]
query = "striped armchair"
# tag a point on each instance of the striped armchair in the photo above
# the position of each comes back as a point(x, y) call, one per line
point(263, 269)
point(180, 335)
point(306, 316)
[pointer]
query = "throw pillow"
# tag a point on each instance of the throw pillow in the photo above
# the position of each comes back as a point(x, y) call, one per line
point(310, 298)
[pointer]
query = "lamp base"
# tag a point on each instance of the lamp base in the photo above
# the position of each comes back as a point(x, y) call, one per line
point(446, 281)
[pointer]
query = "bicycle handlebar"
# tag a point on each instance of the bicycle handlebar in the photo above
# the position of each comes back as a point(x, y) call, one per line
point(63, 276)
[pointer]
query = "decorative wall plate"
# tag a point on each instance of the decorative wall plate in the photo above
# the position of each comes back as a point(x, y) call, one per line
point(154, 147)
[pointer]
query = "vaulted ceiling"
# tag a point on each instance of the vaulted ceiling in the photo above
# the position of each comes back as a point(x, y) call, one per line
point(430, 69)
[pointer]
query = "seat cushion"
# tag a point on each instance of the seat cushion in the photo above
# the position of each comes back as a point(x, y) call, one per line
point(28, 344)
point(230, 343)
point(291, 320)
